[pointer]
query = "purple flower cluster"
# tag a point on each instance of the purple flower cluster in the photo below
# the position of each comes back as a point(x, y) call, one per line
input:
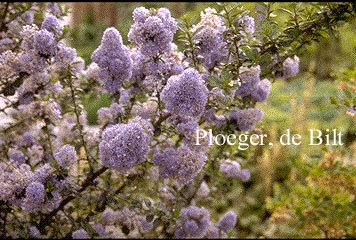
point(291, 67)
point(152, 34)
point(108, 114)
point(66, 156)
point(194, 222)
point(35, 193)
point(45, 43)
point(181, 164)
point(26, 189)
point(52, 24)
point(126, 218)
point(209, 37)
point(251, 85)
point(246, 119)
point(186, 94)
point(155, 58)
point(123, 146)
point(232, 169)
point(247, 24)
point(114, 60)
point(228, 221)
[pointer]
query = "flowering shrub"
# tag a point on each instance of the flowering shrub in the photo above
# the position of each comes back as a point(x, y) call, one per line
point(138, 173)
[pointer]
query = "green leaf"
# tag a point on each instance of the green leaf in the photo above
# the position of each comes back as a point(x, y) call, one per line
point(347, 93)
point(354, 101)
point(333, 100)
point(347, 102)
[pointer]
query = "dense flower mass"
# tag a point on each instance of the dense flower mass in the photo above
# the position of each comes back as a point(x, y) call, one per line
point(262, 90)
point(249, 79)
point(52, 24)
point(232, 169)
point(185, 94)
point(35, 193)
point(152, 34)
point(228, 221)
point(114, 60)
point(209, 37)
point(66, 156)
point(246, 119)
point(123, 146)
point(291, 67)
point(45, 44)
point(194, 222)
point(181, 164)
point(247, 24)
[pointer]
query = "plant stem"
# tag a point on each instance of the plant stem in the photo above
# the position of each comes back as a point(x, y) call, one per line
point(87, 182)
point(78, 125)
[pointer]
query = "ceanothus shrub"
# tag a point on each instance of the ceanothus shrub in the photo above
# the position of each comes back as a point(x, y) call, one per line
point(137, 173)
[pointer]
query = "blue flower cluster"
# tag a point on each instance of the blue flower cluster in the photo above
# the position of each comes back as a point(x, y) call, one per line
point(152, 34)
point(246, 119)
point(113, 59)
point(181, 164)
point(123, 146)
point(209, 36)
point(186, 94)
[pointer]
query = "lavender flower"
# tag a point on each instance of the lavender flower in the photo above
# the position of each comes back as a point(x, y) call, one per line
point(140, 14)
point(263, 88)
point(80, 234)
point(245, 175)
point(188, 128)
point(65, 55)
point(212, 232)
point(34, 232)
point(35, 193)
point(246, 119)
point(114, 60)
point(42, 173)
point(152, 34)
point(209, 37)
point(180, 164)
point(30, 62)
point(66, 156)
point(249, 78)
point(51, 24)
point(27, 17)
point(108, 114)
point(17, 156)
point(247, 24)
point(203, 190)
point(185, 94)
point(142, 224)
point(44, 43)
point(123, 146)
point(54, 9)
point(228, 221)
point(291, 67)
point(232, 169)
point(193, 223)
point(14, 181)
